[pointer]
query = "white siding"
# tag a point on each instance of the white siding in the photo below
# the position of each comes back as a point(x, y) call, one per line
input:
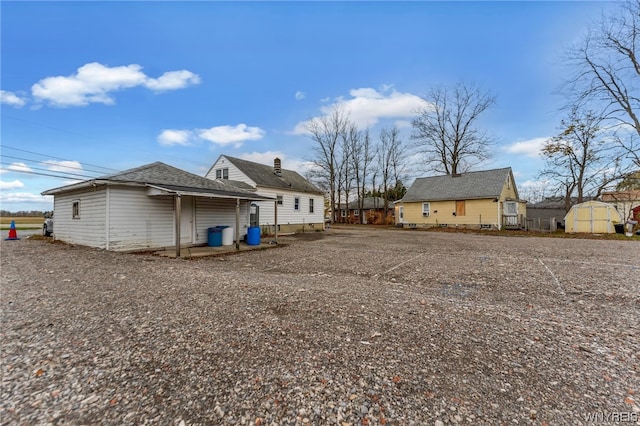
point(138, 221)
point(212, 212)
point(89, 228)
point(234, 172)
point(287, 215)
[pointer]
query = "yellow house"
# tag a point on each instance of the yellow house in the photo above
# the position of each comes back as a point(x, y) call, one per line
point(483, 199)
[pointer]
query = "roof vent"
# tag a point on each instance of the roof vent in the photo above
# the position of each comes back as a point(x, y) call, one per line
point(277, 166)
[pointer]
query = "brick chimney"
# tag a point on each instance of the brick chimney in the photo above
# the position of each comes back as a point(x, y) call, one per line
point(277, 166)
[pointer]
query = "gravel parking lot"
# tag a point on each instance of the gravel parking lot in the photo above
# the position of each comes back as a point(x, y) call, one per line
point(355, 326)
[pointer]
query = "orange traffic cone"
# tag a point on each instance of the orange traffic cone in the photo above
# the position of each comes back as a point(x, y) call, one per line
point(13, 235)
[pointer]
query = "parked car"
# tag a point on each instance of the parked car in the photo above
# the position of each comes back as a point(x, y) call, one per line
point(47, 227)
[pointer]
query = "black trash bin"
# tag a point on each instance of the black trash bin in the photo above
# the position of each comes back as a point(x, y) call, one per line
point(619, 227)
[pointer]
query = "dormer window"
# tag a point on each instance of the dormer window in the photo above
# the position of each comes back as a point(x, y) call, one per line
point(222, 173)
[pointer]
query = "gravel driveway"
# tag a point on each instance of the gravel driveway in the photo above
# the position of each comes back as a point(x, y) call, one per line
point(352, 327)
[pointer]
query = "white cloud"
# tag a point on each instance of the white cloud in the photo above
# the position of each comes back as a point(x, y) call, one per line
point(227, 135)
point(11, 98)
point(531, 148)
point(366, 106)
point(19, 167)
point(267, 158)
point(22, 197)
point(403, 124)
point(173, 80)
point(300, 95)
point(94, 82)
point(171, 137)
point(11, 185)
point(533, 184)
point(64, 166)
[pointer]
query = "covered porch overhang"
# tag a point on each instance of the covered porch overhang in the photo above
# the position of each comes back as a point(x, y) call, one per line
point(177, 192)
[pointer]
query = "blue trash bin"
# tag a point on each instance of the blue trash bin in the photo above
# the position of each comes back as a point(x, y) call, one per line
point(253, 236)
point(214, 236)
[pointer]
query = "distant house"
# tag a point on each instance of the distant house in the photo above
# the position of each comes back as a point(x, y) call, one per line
point(541, 213)
point(372, 211)
point(299, 203)
point(482, 199)
point(624, 201)
point(152, 206)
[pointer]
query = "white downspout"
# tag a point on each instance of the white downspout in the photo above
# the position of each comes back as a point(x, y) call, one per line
point(107, 221)
point(238, 224)
point(176, 218)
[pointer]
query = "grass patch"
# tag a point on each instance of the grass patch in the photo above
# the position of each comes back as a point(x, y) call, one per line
point(6, 220)
point(19, 227)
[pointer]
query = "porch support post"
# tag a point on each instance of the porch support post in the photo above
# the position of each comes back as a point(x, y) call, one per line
point(178, 209)
point(275, 220)
point(238, 224)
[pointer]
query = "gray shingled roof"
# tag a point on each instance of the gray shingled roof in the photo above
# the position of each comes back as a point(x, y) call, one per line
point(168, 177)
point(264, 175)
point(371, 203)
point(466, 186)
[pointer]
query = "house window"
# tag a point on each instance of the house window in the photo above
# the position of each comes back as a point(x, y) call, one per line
point(75, 209)
point(343, 213)
point(510, 208)
point(356, 212)
point(310, 205)
point(426, 209)
point(279, 199)
point(401, 212)
point(222, 173)
point(296, 203)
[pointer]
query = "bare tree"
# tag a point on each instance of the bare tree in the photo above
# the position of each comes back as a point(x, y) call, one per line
point(581, 159)
point(360, 158)
point(389, 161)
point(446, 131)
point(346, 166)
point(607, 71)
point(326, 132)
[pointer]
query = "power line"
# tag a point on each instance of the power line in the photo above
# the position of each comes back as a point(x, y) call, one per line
point(57, 165)
point(55, 158)
point(44, 174)
point(6, 166)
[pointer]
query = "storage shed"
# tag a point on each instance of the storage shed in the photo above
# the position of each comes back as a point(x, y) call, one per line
point(592, 217)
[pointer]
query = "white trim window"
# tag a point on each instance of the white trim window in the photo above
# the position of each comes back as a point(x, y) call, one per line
point(510, 208)
point(222, 173)
point(296, 203)
point(356, 212)
point(75, 209)
point(343, 213)
point(279, 200)
point(426, 209)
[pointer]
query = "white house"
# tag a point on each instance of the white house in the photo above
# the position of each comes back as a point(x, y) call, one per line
point(152, 206)
point(299, 205)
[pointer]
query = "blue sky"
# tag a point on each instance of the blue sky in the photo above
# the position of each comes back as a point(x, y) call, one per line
point(95, 87)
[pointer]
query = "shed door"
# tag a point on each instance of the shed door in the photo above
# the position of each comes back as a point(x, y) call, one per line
point(186, 220)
